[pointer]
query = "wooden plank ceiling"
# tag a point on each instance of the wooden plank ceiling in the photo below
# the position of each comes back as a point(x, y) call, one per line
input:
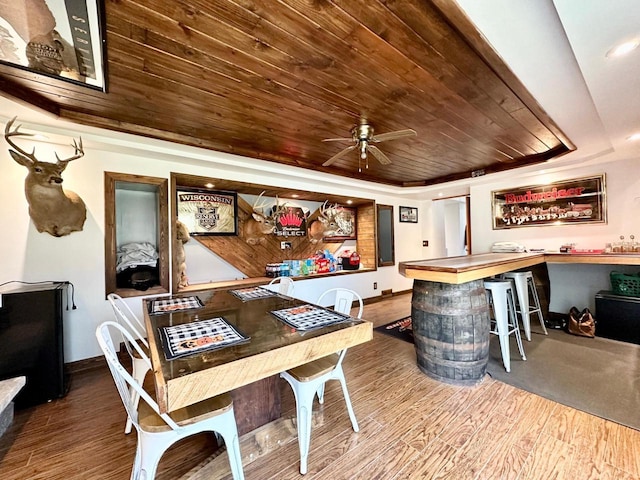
point(271, 79)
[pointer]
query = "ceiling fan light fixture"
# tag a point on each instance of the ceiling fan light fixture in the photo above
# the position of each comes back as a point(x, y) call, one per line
point(363, 150)
point(623, 49)
point(634, 138)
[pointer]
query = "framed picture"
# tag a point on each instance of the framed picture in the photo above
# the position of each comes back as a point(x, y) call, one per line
point(408, 215)
point(581, 200)
point(345, 221)
point(62, 39)
point(205, 212)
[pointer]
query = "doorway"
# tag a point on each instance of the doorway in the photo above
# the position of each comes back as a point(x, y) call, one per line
point(454, 223)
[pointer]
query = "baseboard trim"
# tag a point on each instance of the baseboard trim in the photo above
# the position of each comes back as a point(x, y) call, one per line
point(381, 297)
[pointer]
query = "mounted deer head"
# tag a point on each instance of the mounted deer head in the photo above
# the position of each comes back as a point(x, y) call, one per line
point(52, 209)
point(324, 225)
point(260, 224)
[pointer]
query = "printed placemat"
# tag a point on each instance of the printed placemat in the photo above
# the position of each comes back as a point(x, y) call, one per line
point(196, 337)
point(165, 305)
point(252, 293)
point(308, 317)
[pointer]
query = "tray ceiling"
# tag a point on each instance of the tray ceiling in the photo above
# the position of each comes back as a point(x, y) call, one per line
point(272, 79)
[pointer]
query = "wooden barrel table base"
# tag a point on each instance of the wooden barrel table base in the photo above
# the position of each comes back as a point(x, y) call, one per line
point(451, 330)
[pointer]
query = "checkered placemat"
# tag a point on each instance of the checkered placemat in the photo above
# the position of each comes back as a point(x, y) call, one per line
point(308, 317)
point(165, 305)
point(252, 293)
point(205, 335)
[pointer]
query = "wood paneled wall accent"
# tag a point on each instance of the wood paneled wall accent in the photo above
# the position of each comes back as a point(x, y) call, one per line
point(366, 228)
point(252, 259)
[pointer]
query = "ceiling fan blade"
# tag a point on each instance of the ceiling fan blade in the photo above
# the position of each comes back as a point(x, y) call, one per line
point(338, 155)
point(383, 137)
point(382, 158)
point(338, 140)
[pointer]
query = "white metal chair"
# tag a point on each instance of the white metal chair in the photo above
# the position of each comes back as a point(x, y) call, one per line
point(500, 293)
point(309, 379)
point(525, 288)
point(156, 431)
point(132, 324)
point(282, 285)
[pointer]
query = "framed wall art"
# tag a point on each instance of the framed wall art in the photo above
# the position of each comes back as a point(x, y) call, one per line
point(580, 200)
point(345, 221)
point(408, 215)
point(62, 39)
point(206, 212)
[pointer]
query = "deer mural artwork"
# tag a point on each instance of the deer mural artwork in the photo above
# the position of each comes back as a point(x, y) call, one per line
point(52, 209)
point(324, 225)
point(258, 225)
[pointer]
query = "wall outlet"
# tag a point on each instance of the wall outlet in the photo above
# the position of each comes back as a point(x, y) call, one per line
point(375, 285)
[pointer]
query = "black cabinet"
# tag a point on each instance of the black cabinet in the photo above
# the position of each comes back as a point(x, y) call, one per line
point(31, 341)
point(618, 317)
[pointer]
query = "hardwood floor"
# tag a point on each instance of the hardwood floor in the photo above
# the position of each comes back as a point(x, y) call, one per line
point(410, 427)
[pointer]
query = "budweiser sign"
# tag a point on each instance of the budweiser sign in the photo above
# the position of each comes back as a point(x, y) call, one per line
point(572, 201)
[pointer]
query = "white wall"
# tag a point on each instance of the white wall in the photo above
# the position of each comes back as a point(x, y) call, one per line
point(570, 284)
point(79, 258)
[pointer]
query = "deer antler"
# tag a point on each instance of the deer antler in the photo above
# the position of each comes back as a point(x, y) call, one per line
point(8, 133)
point(255, 205)
point(79, 152)
point(278, 209)
point(324, 210)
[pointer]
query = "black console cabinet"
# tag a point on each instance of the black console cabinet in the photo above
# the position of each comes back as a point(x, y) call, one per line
point(618, 317)
point(31, 341)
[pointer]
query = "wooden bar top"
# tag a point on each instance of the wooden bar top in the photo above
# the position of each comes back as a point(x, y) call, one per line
point(466, 268)
point(456, 270)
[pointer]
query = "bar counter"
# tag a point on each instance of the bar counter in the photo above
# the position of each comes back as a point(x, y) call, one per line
point(450, 313)
point(462, 269)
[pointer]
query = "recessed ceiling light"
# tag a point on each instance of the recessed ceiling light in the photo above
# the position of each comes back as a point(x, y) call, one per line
point(295, 195)
point(349, 202)
point(209, 185)
point(623, 48)
point(634, 137)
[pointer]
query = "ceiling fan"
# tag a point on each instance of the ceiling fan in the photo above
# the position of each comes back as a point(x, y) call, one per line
point(364, 138)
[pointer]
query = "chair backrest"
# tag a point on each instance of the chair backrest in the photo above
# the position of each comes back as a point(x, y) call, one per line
point(282, 285)
point(122, 377)
point(344, 299)
point(128, 319)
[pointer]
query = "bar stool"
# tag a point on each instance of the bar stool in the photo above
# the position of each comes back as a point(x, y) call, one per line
point(526, 289)
point(500, 295)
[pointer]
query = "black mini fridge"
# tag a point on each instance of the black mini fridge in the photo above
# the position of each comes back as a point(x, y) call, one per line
point(618, 317)
point(31, 341)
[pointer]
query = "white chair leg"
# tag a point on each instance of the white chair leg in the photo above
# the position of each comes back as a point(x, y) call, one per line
point(340, 376)
point(514, 320)
point(304, 411)
point(522, 293)
point(304, 393)
point(320, 393)
point(135, 470)
point(229, 433)
point(139, 372)
point(502, 326)
point(538, 307)
point(151, 450)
